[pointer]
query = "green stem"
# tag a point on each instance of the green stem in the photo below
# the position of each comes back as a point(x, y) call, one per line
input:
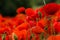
point(44, 2)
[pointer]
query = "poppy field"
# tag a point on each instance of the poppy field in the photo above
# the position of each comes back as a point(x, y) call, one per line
point(40, 24)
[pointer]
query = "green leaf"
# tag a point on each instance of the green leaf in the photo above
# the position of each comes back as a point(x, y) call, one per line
point(3, 36)
point(46, 28)
point(32, 35)
point(15, 37)
point(42, 36)
point(40, 15)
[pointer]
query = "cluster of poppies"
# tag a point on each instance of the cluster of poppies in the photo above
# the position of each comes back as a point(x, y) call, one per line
point(40, 24)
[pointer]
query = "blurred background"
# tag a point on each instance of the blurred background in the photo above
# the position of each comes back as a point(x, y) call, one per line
point(8, 7)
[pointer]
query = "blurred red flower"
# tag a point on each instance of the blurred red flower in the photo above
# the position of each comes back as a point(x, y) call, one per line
point(57, 27)
point(19, 10)
point(29, 12)
point(49, 9)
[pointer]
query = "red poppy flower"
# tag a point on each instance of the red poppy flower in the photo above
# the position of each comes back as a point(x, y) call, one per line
point(58, 14)
point(17, 33)
point(51, 38)
point(5, 30)
point(57, 26)
point(29, 12)
point(23, 26)
point(28, 18)
point(37, 13)
point(42, 23)
point(57, 37)
point(37, 30)
point(32, 23)
point(56, 17)
point(50, 9)
point(0, 38)
point(20, 16)
point(20, 34)
point(19, 10)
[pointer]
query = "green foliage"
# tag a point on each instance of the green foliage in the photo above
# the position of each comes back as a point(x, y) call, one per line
point(8, 7)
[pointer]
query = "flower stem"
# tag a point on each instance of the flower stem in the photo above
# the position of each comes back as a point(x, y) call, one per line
point(44, 2)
